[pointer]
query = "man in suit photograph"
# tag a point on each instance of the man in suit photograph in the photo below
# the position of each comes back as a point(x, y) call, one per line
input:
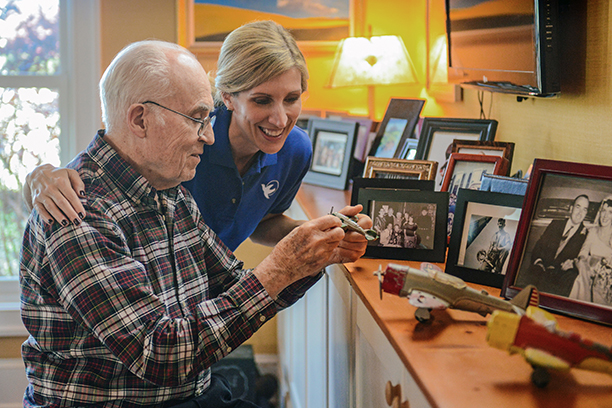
point(552, 268)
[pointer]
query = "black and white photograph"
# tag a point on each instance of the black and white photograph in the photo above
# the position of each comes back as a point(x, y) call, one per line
point(398, 224)
point(485, 229)
point(564, 242)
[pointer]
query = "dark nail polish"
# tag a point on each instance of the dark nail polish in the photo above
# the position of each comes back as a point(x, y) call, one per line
point(64, 223)
point(51, 221)
point(76, 221)
point(82, 194)
point(81, 215)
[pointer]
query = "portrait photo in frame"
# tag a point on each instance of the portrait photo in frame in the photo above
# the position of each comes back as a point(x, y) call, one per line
point(485, 225)
point(562, 245)
point(411, 221)
point(438, 134)
point(333, 143)
point(466, 171)
point(486, 147)
point(396, 128)
point(376, 167)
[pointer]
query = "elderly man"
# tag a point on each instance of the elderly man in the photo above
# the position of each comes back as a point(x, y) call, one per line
point(130, 307)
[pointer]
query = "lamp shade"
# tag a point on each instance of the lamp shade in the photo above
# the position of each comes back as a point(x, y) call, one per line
point(380, 60)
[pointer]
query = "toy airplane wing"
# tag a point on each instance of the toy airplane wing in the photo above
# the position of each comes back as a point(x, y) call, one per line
point(541, 358)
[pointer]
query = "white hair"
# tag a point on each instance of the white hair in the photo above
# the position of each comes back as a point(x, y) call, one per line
point(139, 72)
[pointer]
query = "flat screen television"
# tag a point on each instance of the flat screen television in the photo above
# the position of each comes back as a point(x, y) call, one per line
point(508, 46)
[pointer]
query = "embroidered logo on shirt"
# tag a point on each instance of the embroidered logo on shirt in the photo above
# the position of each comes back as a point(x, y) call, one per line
point(270, 188)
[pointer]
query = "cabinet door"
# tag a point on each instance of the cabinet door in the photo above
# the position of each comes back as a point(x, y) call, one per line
point(341, 340)
point(377, 363)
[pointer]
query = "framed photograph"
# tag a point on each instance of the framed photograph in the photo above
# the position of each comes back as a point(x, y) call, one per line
point(438, 134)
point(466, 171)
point(410, 149)
point(485, 225)
point(333, 143)
point(411, 222)
point(315, 29)
point(486, 147)
point(396, 128)
point(399, 169)
point(563, 244)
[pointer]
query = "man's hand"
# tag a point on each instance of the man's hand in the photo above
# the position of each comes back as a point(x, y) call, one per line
point(303, 252)
point(54, 193)
point(353, 246)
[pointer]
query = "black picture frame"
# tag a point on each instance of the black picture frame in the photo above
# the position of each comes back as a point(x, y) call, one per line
point(415, 197)
point(396, 128)
point(553, 189)
point(471, 254)
point(438, 134)
point(333, 144)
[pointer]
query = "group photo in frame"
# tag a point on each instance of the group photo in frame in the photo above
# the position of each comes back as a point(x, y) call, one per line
point(438, 134)
point(399, 169)
point(408, 215)
point(485, 226)
point(396, 128)
point(466, 171)
point(564, 245)
point(333, 143)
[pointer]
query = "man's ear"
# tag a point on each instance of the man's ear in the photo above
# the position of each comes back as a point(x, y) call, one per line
point(227, 100)
point(136, 121)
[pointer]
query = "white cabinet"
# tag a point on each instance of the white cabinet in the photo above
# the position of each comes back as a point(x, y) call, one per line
point(334, 355)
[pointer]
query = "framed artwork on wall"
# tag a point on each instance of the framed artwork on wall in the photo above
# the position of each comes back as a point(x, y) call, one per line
point(396, 128)
point(438, 134)
point(410, 221)
point(207, 22)
point(485, 225)
point(333, 144)
point(563, 244)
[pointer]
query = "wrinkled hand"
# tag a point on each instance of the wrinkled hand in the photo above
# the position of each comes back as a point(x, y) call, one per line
point(53, 193)
point(303, 252)
point(353, 246)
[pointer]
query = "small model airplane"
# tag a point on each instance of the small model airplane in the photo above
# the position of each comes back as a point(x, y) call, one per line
point(351, 224)
point(433, 289)
point(536, 337)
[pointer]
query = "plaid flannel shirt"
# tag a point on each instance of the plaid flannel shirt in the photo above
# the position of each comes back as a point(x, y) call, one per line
point(131, 307)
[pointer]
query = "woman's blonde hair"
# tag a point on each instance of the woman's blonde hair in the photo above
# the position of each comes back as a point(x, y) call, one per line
point(255, 53)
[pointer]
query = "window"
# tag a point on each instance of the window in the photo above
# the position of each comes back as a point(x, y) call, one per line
point(49, 69)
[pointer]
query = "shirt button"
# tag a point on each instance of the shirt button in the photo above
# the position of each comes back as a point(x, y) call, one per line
point(233, 201)
point(262, 318)
point(229, 349)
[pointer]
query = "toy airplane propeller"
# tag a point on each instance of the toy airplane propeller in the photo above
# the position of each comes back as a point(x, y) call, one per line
point(431, 288)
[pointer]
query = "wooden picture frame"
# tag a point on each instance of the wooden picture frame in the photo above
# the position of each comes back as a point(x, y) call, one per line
point(333, 144)
point(478, 250)
point(437, 136)
point(331, 29)
point(396, 128)
point(486, 147)
point(401, 236)
point(553, 197)
point(376, 167)
point(466, 171)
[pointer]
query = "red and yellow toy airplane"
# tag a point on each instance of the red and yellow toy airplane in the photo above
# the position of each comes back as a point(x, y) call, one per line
point(536, 337)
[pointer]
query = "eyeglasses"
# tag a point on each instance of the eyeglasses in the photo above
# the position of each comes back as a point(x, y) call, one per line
point(210, 120)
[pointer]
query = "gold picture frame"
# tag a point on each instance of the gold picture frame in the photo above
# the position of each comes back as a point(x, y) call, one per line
point(378, 167)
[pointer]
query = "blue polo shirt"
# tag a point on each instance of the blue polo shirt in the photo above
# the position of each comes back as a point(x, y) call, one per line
point(233, 205)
